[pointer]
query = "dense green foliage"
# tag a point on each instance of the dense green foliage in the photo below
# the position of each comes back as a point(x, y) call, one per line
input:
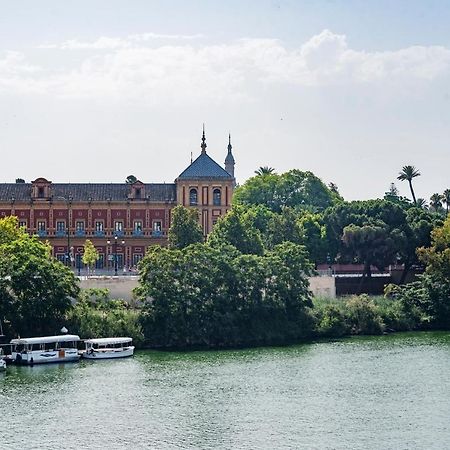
point(361, 315)
point(295, 189)
point(36, 290)
point(429, 297)
point(185, 229)
point(96, 315)
point(205, 296)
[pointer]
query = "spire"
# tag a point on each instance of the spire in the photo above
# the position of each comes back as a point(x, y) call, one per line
point(203, 144)
point(229, 160)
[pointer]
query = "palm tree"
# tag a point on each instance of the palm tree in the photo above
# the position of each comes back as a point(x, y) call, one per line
point(446, 199)
point(435, 202)
point(265, 170)
point(408, 173)
point(421, 203)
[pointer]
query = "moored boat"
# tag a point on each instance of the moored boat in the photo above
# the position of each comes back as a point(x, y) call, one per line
point(2, 361)
point(107, 348)
point(47, 349)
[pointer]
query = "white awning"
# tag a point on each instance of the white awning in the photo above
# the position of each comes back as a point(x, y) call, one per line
point(109, 341)
point(47, 339)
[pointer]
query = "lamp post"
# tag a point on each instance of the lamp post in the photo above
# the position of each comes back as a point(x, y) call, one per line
point(79, 263)
point(115, 244)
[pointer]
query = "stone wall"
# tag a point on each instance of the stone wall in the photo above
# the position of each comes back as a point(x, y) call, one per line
point(119, 287)
point(323, 286)
point(122, 287)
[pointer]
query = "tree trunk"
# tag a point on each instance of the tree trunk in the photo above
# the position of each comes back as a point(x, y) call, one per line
point(405, 273)
point(412, 192)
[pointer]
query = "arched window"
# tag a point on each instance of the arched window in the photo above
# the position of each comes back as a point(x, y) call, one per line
point(193, 200)
point(217, 197)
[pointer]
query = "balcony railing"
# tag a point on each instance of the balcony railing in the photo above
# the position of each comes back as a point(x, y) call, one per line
point(138, 233)
point(118, 233)
point(60, 233)
point(42, 233)
point(99, 233)
point(157, 233)
point(80, 233)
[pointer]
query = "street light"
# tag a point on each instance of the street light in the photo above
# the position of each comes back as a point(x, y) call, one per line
point(115, 251)
point(79, 262)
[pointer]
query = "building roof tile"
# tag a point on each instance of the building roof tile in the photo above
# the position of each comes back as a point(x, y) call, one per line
point(84, 192)
point(204, 167)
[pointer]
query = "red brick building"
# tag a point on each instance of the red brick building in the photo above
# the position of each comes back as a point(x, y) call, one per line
point(121, 219)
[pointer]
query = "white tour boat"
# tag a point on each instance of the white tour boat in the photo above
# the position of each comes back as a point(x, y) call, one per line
point(106, 348)
point(48, 349)
point(2, 361)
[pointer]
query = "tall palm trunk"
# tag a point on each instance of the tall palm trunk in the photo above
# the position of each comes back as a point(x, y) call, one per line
point(412, 192)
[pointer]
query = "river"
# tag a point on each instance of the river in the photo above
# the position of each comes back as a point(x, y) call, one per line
point(387, 392)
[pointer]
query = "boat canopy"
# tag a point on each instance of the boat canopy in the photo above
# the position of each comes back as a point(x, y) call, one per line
point(109, 341)
point(47, 339)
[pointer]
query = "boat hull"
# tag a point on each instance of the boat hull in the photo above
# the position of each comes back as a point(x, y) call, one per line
point(108, 353)
point(36, 357)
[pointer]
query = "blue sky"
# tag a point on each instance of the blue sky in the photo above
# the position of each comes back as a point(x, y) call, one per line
point(352, 90)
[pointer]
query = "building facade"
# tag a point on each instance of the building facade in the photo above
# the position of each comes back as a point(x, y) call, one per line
point(120, 219)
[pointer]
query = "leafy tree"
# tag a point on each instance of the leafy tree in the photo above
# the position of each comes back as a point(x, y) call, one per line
point(90, 254)
point(295, 189)
point(185, 229)
point(371, 244)
point(131, 179)
point(283, 227)
point(408, 173)
point(418, 227)
point(36, 290)
point(206, 296)
point(393, 196)
point(429, 297)
point(369, 232)
point(233, 229)
point(437, 256)
point(313, 236)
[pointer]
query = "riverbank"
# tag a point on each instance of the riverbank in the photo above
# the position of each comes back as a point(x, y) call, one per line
point(326, 319)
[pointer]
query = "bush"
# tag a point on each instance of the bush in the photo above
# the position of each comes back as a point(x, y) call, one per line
point(362, 316)
point(329, 318)
point(95, 316)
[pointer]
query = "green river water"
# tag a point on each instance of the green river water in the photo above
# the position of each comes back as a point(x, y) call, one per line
point(388, 392)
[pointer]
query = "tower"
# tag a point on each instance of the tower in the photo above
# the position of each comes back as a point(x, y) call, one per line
point(229, 160)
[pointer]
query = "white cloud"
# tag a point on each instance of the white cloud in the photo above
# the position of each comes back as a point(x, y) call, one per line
point(109, 43)
point(125, 68)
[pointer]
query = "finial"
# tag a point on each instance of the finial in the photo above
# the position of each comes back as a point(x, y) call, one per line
point(229, 143)
point(203, 144)
point(191, 157)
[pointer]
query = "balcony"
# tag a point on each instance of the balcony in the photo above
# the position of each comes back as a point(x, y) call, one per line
point(118, 233)
point(138, 233)
point(157, 233)
point(60, 233)
point(42, 233)
point(99, 233)
point(80, 233)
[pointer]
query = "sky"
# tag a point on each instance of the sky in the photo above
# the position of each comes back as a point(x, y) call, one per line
point(93, 91)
